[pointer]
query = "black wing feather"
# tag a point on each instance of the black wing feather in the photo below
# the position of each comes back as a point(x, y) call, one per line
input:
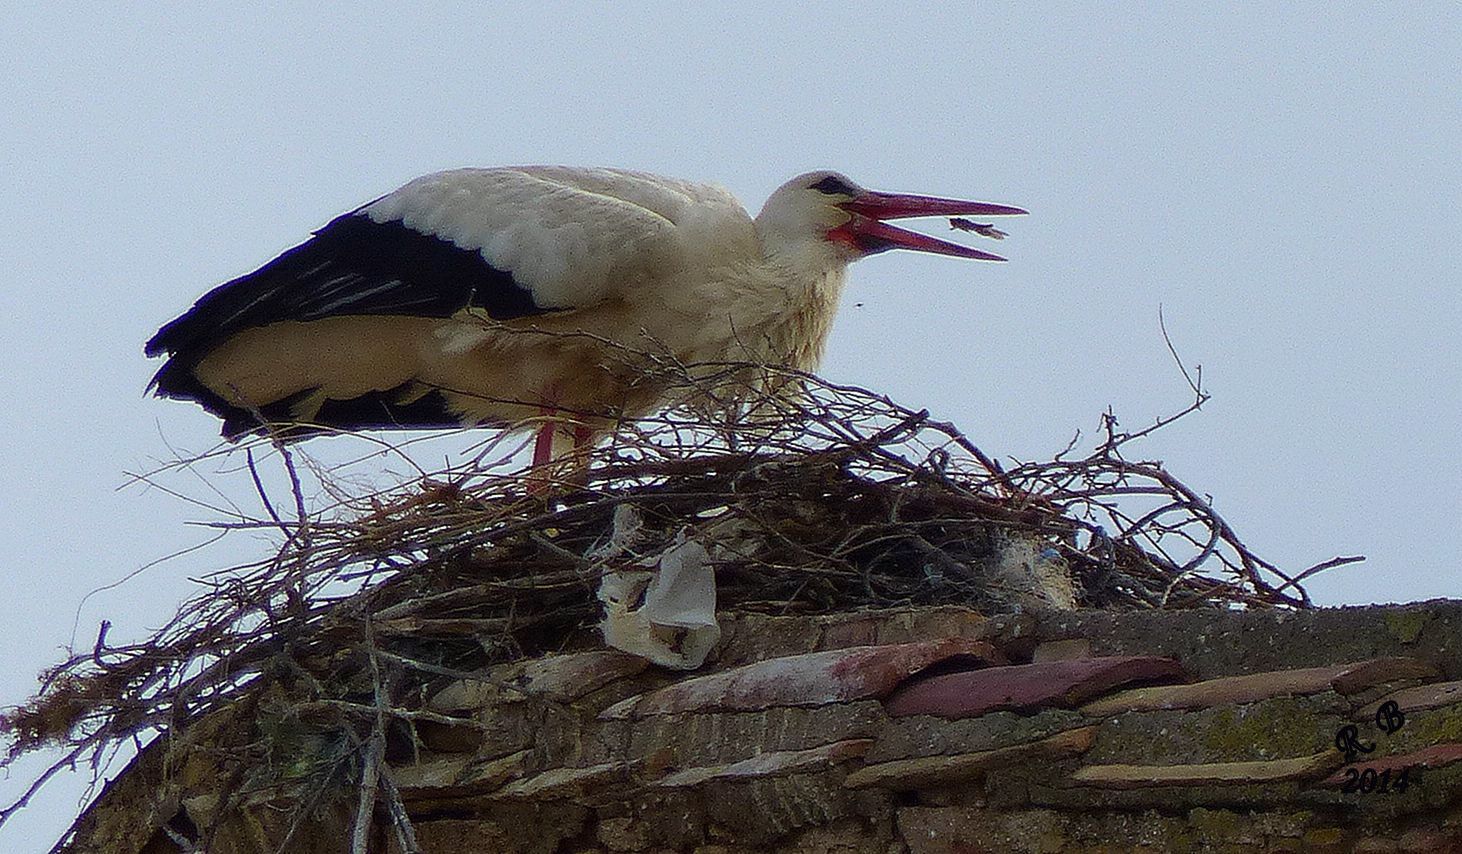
point(353, 266)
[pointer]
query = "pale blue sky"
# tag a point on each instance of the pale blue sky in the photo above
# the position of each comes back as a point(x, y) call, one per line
point(1282, 178)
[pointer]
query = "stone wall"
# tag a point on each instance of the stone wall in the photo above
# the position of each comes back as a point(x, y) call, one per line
point(923, 730)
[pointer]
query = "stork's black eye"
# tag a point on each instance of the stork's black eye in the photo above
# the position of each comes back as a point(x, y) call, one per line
point(835, 186)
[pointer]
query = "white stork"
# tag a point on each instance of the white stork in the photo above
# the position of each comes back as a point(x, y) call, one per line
point(490, 296)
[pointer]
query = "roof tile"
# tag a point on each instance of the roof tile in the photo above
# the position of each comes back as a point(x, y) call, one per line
point(1214, 773)
point(932, 771)
point(571, 676)
point(1378, 671)
point(1344, 678)
point(568, 676)
point(1027, 686)
point(1417, 699)
point(1434, 756)
point(811, 679)
point(771, 764)
point(927, 735)
point(567, 782)
point(458, 776)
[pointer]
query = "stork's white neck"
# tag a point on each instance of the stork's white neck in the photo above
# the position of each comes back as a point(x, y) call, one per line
point(813, 318)
point(810, 290)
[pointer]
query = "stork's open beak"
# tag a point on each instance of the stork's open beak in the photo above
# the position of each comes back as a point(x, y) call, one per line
point(871, 234)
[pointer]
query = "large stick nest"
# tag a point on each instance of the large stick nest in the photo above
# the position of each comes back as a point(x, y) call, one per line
point(828, 499)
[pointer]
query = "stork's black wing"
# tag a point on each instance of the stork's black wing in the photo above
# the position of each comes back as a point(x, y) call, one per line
point(352, 266)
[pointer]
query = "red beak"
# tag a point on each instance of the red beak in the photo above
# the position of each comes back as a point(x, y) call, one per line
point(867, 231)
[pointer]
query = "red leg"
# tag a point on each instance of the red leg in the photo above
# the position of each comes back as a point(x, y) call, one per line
point(543, 449)
point(543, 444)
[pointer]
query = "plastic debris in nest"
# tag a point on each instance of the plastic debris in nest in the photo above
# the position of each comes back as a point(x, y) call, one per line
point(1035, 577)
point(663, 607)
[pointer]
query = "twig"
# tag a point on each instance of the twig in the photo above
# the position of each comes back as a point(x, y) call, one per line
point(1318, 568)
point(1195, 385)
point(67, 761)
point(264, 494)
point(1200, 397)
point(101, 643)
point(374, 756)
point(400, 820)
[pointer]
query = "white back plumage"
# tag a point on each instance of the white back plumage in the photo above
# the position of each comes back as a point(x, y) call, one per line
point(574, 237)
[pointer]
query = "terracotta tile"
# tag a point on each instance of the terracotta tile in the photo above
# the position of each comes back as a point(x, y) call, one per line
point(927, 735)
point(1378, 671)
point(562, 677)
point(457, 776)
point(467, 695)
point(771, 764)
point(573, 675)
point(1434, 756)
point(1416, 699)
point(1344, 678)
point(1216, 773)
point(1060, 684)
point(932, 771)
point(430, 779)
point(811, 679)
point(567, 782)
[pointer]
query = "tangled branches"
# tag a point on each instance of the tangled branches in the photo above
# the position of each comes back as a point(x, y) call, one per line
point(831, 498)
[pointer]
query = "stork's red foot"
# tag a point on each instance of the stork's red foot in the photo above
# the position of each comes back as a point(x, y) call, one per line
point(561, 470)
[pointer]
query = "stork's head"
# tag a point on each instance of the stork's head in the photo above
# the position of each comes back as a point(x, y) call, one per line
point(825, 215)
